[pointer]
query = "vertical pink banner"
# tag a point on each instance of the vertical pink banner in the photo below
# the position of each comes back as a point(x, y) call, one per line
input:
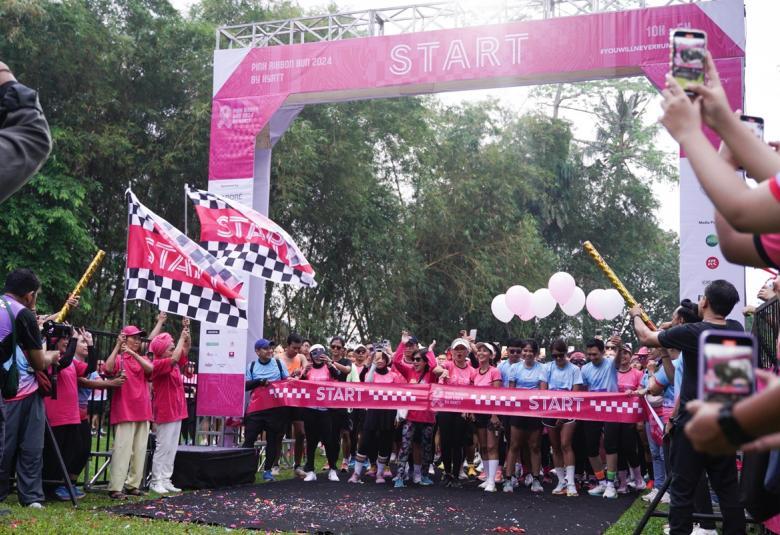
point(216, 394)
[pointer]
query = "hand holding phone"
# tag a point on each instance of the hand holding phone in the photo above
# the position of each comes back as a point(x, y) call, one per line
point(689, 49)
point(727, 363)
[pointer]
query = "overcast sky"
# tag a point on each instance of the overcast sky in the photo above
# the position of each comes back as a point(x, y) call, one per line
point(762, 79)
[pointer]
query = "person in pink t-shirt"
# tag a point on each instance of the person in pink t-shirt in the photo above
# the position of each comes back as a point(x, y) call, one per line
point(629, 379)
point(454, 426)
point(488, 425)
point(169, 406)
point(131, 412)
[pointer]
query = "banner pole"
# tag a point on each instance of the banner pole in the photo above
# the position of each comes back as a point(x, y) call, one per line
point(124, 275)
point(186, 230)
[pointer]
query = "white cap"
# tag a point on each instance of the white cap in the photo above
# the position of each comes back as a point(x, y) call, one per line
point(460, 342)
point(488, 346)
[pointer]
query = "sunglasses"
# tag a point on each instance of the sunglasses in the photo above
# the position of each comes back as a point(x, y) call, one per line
point(336, 347)
point(514, 351)
point(360, 351)
point(417, 359)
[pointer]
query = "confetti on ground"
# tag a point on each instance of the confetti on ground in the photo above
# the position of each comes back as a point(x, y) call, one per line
point(327, 507)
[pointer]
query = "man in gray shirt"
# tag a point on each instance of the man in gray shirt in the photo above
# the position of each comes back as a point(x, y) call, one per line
point(25, 141)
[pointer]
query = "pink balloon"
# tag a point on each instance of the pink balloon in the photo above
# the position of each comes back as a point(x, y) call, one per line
point(575, 303)
point(561, 286)
point(592, 304)
point(528, 315)
point(518, 299)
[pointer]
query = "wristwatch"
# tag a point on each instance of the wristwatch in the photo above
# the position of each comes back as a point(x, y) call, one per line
point(731, 428)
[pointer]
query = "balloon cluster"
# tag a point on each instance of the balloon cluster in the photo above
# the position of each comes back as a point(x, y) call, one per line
point(562, 290)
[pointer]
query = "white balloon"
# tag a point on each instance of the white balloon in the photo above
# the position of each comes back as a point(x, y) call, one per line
point(574, 305)
point(518, 299)
point(593, 304)
point(542, 303)
point(500, 310)
point(611, 304)
point(528, 316)
point(561, 286)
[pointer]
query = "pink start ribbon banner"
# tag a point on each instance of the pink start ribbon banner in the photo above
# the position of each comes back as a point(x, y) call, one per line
point(596, 406)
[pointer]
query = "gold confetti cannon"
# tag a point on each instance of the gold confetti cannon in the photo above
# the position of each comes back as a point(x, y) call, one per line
point(613, 278)
point(93, 266)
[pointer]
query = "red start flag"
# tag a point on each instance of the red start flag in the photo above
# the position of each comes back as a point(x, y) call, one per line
point(168, 269)
point(248, 241)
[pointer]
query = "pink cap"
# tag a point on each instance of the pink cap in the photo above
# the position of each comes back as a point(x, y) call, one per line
point(643, 351)
point(132, 330)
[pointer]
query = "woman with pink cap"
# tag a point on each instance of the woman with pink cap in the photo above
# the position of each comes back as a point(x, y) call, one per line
point(168, 404)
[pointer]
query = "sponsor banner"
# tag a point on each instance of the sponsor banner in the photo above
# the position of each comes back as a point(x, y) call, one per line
point(597, 406)
point(701, 260)
point(599, 45)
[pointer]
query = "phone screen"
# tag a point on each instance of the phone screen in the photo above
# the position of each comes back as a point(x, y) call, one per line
point(473, 334)
point(727, 367)
point(689, 48)
point(755, 124)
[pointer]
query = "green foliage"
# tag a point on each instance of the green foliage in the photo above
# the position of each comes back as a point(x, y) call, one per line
point(413, 214)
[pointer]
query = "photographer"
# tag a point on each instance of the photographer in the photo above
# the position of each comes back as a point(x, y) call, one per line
point(24, 412)
point(25, 141)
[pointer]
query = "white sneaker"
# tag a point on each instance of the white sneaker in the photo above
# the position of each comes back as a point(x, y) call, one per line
point(666, 498)
point(462, 475)
point(639, 485)
point(275, 471)
point(332, 475)
point(35, 505)
point(698, 530)
point(529, 480)
point(610, 492)
point(598, 490)
point(667, 529)
point(484, 484)
point(650, 496)
point(490, 486)
point(571, 490)
point(508, 486)
point(310, 476)
point(431, 470)
point(300, 472)
point(169, 485)
point(560, 488)
point(158, 488)
point(536, 486)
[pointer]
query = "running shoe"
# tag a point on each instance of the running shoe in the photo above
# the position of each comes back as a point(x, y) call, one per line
point(416, 478)
point(571, 490)
point(472, 472)
point(508, 486)
point(344, 466)
point(431, 470)
point(268, 475)
point(650, 496)
point(325, 467)
point(610, 492)
point(388, 472)
point(393, 458)
point(698, 530)
point(623, 489)
point(371, 472)
point(426, 481)
point(639, 485)
point(529, 480)
point(352, 463)
point(598, 490)
point(399, 484)
point(560, 488)
point(80, 493)
point(170, 486)
point(666, 498)
point(333, 475)
point(35, 505)
point(462, 474)
point(310, 476)
point(499, 475)
point(536, 487)
point(483, 484)
point(299, 471)
point(62, 493)
point(490, 486)
point(482, 476)
point(354, 478)
point(156, 487)
point(380, 480)
point(275, 470)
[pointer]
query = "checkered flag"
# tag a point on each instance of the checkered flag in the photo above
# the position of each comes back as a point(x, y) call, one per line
point(168, 269)
point(248, 241)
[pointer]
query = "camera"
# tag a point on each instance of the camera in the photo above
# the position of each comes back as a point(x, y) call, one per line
point(52, 329)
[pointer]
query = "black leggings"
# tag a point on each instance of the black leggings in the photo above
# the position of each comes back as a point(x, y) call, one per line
point(454, 429)
point(319, 428)
point(375, 444)
point(621, 439)
point(592, 431)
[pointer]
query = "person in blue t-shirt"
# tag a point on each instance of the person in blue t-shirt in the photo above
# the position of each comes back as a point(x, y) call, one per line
point(600, 375)
point(259, 375)
point(527, 374)
point(562, 375)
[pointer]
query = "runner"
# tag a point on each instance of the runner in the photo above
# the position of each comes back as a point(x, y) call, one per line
point(341, 420)
point(454, 426)
point(489, 427)
point(562, 375)
point(600, 375)
point(417, 427)
point(527, 374)
point(629, 380)
point(376, 438)
point(295, 360)
point(360, 367)
point(318, 422)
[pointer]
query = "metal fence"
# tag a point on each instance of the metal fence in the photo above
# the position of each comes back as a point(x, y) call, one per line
point(766, 323)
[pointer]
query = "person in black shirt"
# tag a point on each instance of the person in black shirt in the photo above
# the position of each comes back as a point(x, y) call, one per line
point(341, 420)
point(718, 300)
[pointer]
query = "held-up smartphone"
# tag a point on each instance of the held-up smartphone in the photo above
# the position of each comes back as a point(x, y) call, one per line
point(689, 48)
point(755, 124)
point(473, 334)
point(727, 363)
